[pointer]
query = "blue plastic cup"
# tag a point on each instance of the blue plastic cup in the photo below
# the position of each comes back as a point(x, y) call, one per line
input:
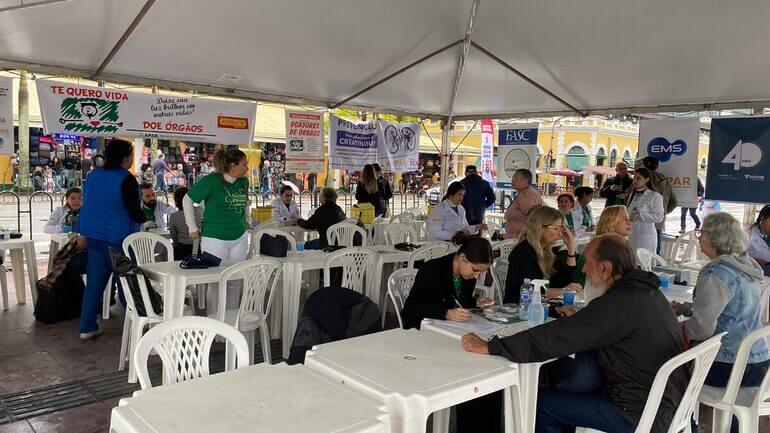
point(300, 246)
point(664, 281)
point(569, 297)
point(545, 310)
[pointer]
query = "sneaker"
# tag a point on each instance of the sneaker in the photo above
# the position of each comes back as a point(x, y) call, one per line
point(85, 336)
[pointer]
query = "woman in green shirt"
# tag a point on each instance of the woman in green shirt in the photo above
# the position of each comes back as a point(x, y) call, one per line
point(225, 215)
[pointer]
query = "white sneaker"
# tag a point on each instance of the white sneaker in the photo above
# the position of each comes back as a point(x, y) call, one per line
point(85, 336)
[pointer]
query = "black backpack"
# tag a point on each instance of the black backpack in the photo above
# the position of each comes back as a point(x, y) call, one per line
point(123, 267)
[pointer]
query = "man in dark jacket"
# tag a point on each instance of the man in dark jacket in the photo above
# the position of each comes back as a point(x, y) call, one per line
point(478, 196)
point(324, 217)
point(616, 188)
point(630, 330)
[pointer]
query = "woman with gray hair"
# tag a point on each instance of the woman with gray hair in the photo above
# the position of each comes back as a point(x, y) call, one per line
point(726, 299)
point(324, 217)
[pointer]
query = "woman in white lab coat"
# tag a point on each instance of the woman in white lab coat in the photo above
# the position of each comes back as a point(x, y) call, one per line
point(285, 208)
point(645, 206)
point(448, 218)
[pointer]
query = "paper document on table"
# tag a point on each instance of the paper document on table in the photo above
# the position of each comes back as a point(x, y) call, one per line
point(474, 324)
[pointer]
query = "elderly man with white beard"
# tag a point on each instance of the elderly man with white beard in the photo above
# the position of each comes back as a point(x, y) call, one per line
point(623, 338)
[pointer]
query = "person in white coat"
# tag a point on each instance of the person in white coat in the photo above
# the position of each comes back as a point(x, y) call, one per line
point(448, 218)
point(645, 206)
point(759, 240)
point(64, 218)
point(285, 208)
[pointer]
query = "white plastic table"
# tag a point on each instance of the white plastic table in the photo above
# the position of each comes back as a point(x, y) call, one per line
point(293, 267)
point(414, 373)
point(256, 399)
point(175, 280)
point(525, 400)
point(22, 250)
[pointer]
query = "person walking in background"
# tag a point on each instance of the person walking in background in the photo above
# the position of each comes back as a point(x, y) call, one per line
point(368, 190)
point(111, 211)
point(663, 187)
point(692, 210)
point(617, 188)
point(177, 227)
point(526, 199)
point(479, 195)
point(646, 209)
point(383, 186)
point(159, 169)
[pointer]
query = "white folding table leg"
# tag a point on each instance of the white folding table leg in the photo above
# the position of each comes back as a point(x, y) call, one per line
point(29, 252)
point(4, 287)
point(441, 420)
point(17, 262)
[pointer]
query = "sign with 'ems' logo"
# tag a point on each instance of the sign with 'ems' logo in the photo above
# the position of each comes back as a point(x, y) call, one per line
point(739, 163)
point(675, 143)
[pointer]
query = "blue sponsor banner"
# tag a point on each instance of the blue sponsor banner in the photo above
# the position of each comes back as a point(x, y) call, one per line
point(739, 160)
point(516, 149)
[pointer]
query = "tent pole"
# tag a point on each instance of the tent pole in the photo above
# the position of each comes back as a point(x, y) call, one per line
point(390, 76)
point(137, 19)
point(446, 130)
point(521, 75)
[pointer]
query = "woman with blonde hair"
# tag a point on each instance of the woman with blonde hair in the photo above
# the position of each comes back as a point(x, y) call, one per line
point(614, 219)
point(534, 258)
point(368, 191)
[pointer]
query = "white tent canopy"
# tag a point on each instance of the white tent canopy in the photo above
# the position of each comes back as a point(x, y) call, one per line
point(597, 56)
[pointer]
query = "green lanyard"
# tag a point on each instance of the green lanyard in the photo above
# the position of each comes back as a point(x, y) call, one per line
point(458, 281)
point(570, 222)
point(586, 217)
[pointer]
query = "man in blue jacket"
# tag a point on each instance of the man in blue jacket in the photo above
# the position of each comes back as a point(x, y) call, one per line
point(478, 196)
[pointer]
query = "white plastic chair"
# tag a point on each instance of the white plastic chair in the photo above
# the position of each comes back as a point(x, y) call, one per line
point(4, 286)
point(183, 345)
point(134, 325)
point(648, 259)
point(375, 229)
point(499, 275)
point(360, 269)
point(429, 251)
point(702, 357)
point(260, 277)
point(505, 247)
point(746, 403)
point(764, 300)
point(403, 217)
point(692, 250)
point(256, 236)
point(669, 248)
point(396, 233)
point(343, 234)
point(399, 285)
point(143, 246)
point(269, 224)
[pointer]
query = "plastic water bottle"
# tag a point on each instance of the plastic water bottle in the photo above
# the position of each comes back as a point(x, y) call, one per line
point(536, 314)
point(526, 292)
